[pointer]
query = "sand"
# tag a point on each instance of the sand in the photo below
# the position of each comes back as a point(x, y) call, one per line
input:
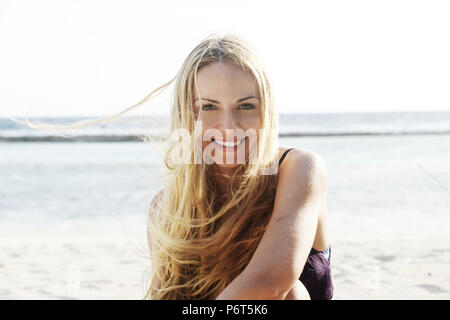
point(93, 264)
point(391, 266)
point(76, 264)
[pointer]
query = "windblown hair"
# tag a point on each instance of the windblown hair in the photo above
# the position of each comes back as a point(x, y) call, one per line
point(202, 239)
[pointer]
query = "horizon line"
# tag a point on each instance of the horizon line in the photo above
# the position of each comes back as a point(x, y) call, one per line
point(280, 113)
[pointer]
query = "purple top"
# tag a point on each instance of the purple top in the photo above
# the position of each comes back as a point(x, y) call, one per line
point(316, 274)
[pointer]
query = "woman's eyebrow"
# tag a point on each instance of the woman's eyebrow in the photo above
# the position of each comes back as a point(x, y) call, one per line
point(238, 100)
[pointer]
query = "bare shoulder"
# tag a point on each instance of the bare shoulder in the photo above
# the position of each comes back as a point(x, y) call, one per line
point(154, 204)
point(302, 166)
point(301, 158)
point(157, 197)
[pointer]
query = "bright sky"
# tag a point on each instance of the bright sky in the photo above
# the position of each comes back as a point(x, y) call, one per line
point(95, 58)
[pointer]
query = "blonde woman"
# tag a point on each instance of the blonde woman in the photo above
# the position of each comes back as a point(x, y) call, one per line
point(236, 229)
point(238, 217)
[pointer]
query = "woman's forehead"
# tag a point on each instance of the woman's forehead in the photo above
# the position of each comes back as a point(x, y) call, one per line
point(224, 78)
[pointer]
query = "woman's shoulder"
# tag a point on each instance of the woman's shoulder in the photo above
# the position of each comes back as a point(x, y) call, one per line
point(299, 160)
point(155, 202)
point(299, 154)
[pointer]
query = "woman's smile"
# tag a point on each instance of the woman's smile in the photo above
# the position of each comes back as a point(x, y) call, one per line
point(228, 146)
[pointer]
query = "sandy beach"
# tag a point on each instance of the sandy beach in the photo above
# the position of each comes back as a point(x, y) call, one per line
point(391, 266)
point(87, 264)
point(75, 264)
point(72, 217)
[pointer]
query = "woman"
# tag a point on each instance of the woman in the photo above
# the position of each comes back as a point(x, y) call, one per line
point(236, 229)
point(238, 217)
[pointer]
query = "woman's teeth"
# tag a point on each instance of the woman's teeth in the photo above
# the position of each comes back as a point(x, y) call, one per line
point(228, 144)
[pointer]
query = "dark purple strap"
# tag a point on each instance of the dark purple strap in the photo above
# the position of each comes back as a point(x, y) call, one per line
point(284, 155)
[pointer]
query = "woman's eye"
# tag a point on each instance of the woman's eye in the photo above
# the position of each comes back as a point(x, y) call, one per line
point(208, 107)
point(247, 106)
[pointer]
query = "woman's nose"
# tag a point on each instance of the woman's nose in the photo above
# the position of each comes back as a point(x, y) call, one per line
point(229, 121)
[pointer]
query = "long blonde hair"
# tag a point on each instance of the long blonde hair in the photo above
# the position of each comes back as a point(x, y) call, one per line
point(202, 239)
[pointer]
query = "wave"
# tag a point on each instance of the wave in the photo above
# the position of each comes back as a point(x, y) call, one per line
point(140, 138)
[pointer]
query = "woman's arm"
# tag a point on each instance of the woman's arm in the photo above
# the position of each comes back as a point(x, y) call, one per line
point(247, 287)
point(298, 292)
point(281, 255)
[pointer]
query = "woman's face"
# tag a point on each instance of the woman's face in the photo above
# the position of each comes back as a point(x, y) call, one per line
point(230, 106)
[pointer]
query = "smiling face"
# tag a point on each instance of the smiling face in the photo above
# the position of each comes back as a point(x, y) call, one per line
point(229, 105)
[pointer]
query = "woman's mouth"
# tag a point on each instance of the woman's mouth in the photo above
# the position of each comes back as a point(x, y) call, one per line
point(228, 145)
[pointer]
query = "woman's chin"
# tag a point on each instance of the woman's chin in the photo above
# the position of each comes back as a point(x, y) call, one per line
point(227, 166)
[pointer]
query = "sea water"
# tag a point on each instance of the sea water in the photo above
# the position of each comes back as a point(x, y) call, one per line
point(386, 173)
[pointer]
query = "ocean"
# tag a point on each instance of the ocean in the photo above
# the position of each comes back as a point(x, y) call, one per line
point(304, 125)
point(389, 169)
